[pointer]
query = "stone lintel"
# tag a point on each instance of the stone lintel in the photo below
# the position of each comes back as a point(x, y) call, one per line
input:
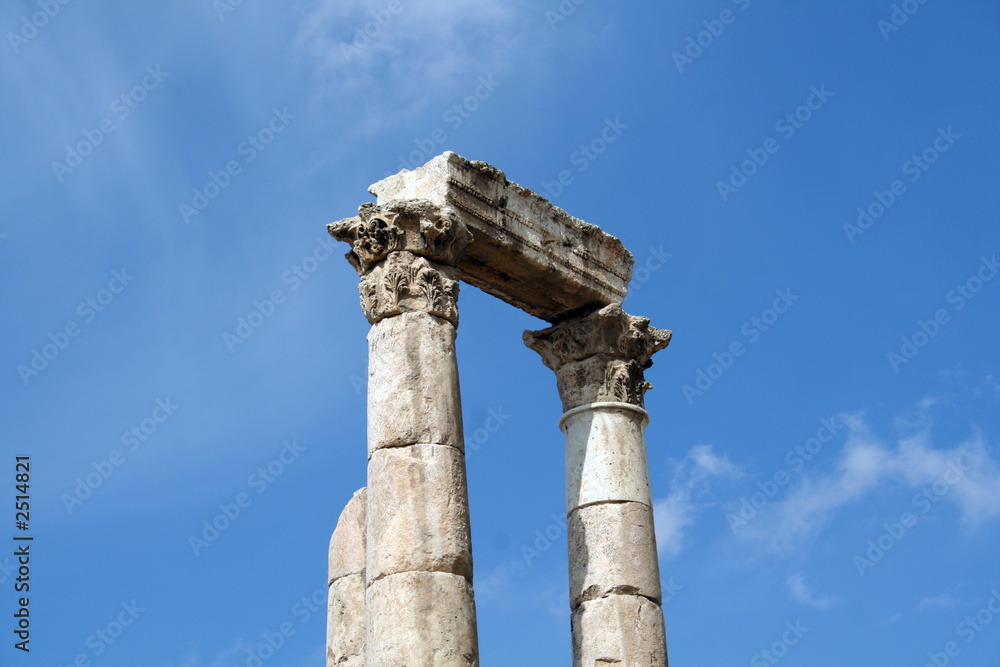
point(524, 250)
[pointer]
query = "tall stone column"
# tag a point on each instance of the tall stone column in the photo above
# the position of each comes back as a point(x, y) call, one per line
point(420, 605)
point(614, 574)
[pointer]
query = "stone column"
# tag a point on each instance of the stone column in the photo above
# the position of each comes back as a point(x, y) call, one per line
point(613, 569)
point(419, 599)
point(345, 620)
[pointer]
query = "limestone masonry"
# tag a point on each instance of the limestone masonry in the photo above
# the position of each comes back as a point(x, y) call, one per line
point(525, 251)
point(401, 566)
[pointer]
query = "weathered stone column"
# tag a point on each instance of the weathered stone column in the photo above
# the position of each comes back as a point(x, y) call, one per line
point(613, 569)
point(420, 605)
point(345, 620)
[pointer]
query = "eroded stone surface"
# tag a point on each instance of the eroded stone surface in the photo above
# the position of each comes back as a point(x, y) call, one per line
point(347, 545)
point(601, 378)
point(612, 550)
point(606, 457)
point(609, 331)
point(619, 630)
point(413, 391)
point(524, 250)
point(408, 283)
point(600, 356)
point(453, 219)
point(418, 512)
point(345, 626)
point(422, 619)
point(416, 226)
point(599, 359)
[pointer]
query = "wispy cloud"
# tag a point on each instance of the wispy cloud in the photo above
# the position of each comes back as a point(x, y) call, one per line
point(555, 602)
point(866, 463)
point(193, 659)
point(943, 602)
point(800, 593)
point(498, 582)
point(919, 419)
point(360, 49)
point(990, 387)
point(985, 386)
point(673, 514)
point(228, 655)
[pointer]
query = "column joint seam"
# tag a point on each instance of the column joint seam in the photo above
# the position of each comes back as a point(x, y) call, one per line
point(611, 405)
point(607, 502)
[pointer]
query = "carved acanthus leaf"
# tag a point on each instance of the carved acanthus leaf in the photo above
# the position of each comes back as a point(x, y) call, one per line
point(609, 331)
point(405, 282)
point(624, 382)
point(600, 356)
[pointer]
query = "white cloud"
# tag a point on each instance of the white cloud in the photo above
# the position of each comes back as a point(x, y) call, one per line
point(670, 516)
point(980, 387)
point(495, 584)
point(943, 602)
point(928, 402)
point(191, 660)
point(555, 602)
point(677, 511)
point(226, 656)
point(919, 420)
point(977, 492)
point(801, 594)
point(866, 463)
point(424, 52)
point(808, 507)
point(990, 387)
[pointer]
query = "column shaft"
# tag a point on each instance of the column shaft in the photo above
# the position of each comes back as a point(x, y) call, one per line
point(613, 568)
point(421, 609)
point(418, 575)
point(345, 626)
point(614, 577)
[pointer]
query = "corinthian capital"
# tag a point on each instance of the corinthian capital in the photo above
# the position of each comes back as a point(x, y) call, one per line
point(413, 225)
point(600, 356)
point(407, 283)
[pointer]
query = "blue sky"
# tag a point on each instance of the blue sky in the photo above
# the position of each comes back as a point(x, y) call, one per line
point(838, 474)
